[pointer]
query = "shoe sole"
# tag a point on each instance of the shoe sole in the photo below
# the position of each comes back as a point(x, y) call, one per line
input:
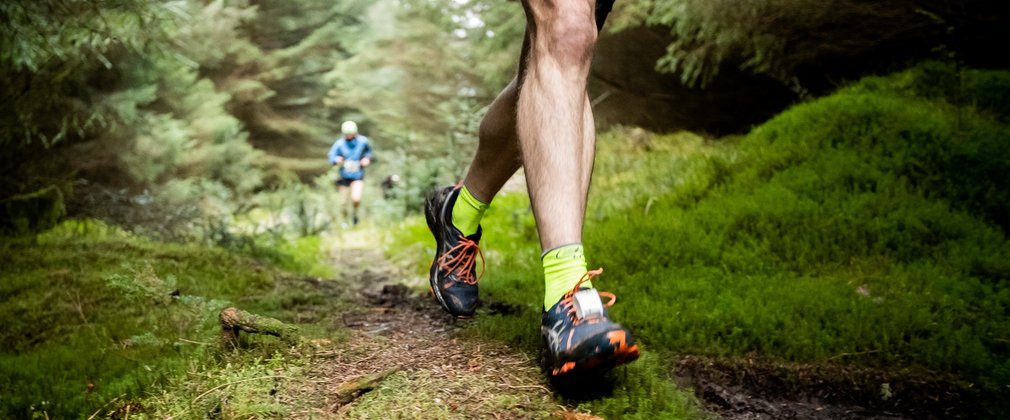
point(593, 366)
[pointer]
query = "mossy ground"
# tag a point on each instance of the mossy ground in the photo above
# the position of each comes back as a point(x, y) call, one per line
point(93, 313)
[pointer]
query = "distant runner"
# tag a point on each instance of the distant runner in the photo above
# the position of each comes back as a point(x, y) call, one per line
point(353, 153)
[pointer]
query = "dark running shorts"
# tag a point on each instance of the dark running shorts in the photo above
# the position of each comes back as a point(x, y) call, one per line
point(603, 8)
point(345, 182)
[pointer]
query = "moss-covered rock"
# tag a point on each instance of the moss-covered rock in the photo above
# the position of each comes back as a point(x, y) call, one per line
point(32, 212)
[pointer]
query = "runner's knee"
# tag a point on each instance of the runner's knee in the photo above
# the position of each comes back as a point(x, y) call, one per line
point(570, 31)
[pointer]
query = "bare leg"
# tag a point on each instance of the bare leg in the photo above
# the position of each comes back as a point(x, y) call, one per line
point(554, 119)
point(546, 105)
point(357, 189)
point(498, 155)
point(345, 201)
point(345, 195)
point(498, 148)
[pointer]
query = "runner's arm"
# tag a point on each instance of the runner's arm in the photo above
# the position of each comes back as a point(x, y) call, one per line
point(334, 154)
point(366, 154)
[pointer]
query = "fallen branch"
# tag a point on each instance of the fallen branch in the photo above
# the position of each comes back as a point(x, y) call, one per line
point(349, 391)
point(234, 320)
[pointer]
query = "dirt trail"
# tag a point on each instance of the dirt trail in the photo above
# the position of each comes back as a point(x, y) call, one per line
point(434, 374)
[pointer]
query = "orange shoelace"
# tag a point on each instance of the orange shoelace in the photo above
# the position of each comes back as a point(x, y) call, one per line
point(462, 264)
point(569, 302)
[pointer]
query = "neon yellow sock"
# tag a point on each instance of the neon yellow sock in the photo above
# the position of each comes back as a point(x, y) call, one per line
point(564, 266)
point(467, 212)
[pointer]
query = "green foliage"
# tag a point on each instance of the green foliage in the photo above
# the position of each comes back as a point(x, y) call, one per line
point(417, 179)
point(53, 48)
point(275, 72)
point(122, 83)
point(295, 209)
point(181, 100)
point(708, 34)
point(778, 37)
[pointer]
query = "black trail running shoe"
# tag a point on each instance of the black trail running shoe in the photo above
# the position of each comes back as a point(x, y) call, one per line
point(453, 274)
point(579, 339)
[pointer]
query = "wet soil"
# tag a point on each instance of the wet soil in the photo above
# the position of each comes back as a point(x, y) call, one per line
point(755, 389)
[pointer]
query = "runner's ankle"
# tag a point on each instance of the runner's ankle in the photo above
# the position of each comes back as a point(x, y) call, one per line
point(467, 212)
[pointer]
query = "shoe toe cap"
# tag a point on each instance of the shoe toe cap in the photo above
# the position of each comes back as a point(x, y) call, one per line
point(460, 299)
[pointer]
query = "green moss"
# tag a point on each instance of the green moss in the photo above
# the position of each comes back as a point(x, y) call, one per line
point(869, 222)
point(245, 387)
point(93, 313)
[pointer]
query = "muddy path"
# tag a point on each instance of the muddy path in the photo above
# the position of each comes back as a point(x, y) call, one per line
point(416, 365)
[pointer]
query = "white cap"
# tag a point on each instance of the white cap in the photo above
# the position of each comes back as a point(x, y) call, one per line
point(348, 128)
